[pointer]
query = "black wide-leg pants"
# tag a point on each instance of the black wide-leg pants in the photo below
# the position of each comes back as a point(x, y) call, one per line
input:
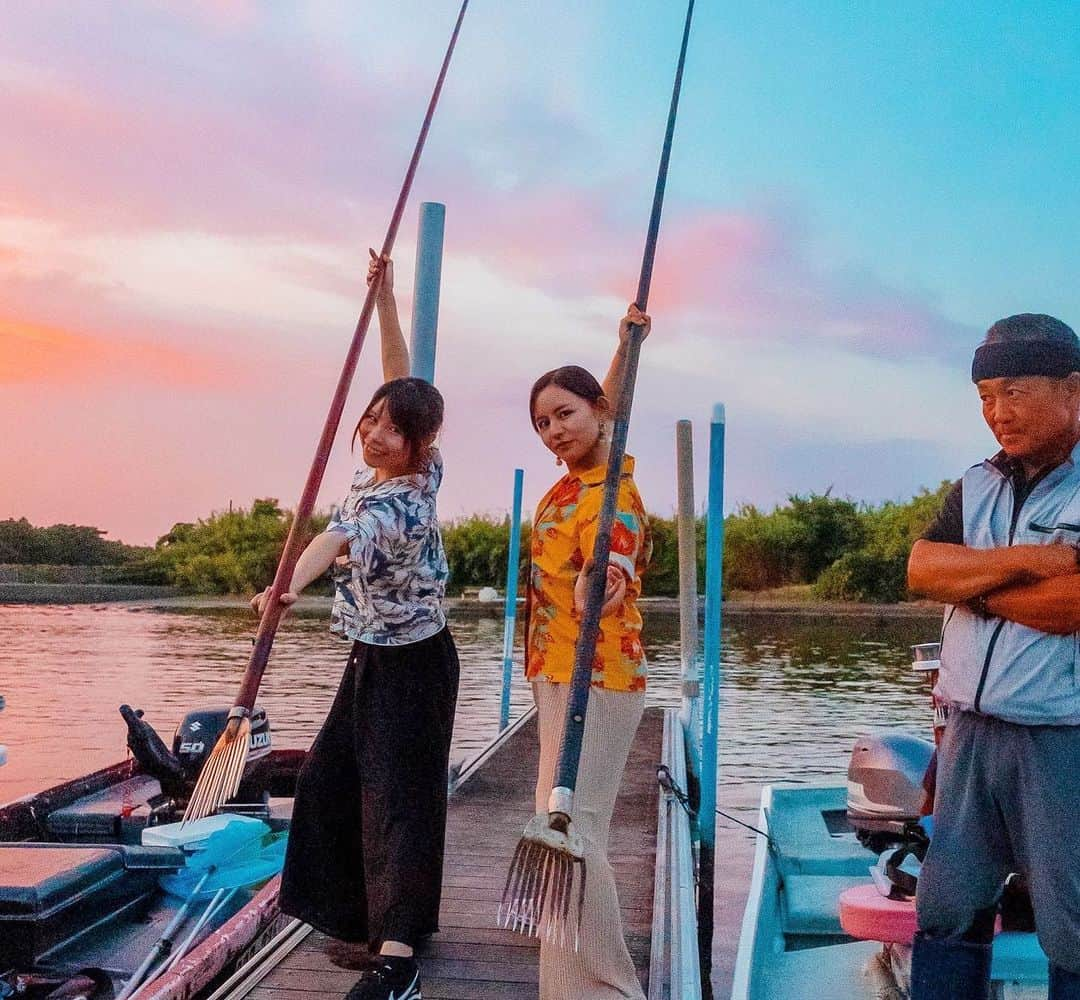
point(365, 852)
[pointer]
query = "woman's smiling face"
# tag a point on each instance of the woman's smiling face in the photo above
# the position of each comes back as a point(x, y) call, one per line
point(385, 447)
point(568, 425)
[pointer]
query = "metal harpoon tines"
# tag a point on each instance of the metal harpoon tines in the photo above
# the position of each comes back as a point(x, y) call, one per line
point(220, 777)
point(547, 871)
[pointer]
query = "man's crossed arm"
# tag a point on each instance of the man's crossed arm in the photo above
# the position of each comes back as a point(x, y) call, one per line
point(1033, 585)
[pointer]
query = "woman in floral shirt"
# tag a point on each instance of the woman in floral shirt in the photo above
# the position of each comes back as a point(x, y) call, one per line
point(365, 855)
point(571, 412)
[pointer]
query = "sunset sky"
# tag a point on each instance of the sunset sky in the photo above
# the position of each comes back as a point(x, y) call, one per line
point(188, 190)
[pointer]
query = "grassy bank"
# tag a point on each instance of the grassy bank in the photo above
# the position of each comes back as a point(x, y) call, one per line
point(790, 602)
point(80, 593)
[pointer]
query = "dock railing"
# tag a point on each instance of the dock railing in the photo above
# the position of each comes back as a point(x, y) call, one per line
point(674, 966)
point(698, 718)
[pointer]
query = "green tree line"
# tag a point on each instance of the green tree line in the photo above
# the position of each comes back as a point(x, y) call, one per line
point(233, 552)
point(62, 545)
point(845, 550)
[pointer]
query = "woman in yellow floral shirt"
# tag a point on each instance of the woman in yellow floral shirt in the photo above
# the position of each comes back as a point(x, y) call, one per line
point(571, 412)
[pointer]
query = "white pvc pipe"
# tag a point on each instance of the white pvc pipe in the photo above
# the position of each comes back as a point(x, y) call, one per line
point(690, 716)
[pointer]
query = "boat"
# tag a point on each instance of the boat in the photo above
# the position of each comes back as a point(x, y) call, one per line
point(84, 869)
point(827, 914)
point(93, 872)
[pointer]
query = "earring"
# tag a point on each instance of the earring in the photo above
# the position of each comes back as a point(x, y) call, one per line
point(558, 461)
point(603, 432)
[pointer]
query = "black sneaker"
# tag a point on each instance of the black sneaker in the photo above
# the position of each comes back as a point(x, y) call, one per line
point(388, 978)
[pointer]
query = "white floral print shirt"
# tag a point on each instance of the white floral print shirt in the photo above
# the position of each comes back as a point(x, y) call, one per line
point(391, 592)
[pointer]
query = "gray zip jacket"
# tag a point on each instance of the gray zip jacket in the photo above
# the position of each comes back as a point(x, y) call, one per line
point(995, 666)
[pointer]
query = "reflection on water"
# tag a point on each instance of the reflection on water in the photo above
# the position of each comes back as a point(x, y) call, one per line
point(796, 692)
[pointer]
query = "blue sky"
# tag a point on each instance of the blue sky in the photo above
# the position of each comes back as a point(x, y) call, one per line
point(189, 189)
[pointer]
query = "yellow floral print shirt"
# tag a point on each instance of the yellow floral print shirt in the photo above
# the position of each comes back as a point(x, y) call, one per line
point(564, 532)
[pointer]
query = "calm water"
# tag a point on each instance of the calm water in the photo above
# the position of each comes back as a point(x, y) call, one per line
point(796, 692)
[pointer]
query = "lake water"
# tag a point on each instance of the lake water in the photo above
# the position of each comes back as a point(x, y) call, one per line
point(797, 690)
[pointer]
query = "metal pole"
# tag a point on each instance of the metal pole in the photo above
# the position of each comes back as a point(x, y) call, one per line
point(690, 716)
point(560, 803)
point(264, 638)
point(428, 280)
point(714, 572)
point(512, 561)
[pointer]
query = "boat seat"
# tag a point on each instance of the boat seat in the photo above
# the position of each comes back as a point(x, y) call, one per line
point(47, 895)
point(133, 857)
point(117, 813)
point(811, 903)
point(803, 843)
point(51, 892)
point(1019, 958)
point(870, 916)
point(866, 914)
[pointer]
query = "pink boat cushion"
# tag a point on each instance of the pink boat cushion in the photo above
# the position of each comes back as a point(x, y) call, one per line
point(866, 914)
point(870, 916)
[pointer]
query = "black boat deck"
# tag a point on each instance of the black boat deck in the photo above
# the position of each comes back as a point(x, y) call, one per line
point(472, 959)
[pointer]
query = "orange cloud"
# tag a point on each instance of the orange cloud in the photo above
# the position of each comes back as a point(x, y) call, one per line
point(45, 355)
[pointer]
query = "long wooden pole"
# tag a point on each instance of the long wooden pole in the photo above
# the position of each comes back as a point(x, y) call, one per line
point(264, 638)
point(561, 801)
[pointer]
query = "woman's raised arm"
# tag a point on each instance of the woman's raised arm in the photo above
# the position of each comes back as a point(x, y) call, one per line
point(613, 380)
point(395, 353)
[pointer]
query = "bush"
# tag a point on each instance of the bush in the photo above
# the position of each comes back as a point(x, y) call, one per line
point(235, 552)
point(864, 576)
point(477, 549)
point(760, 549)
point(877, 571)
point(661, 579)
point(62, 545)
point(826, 529)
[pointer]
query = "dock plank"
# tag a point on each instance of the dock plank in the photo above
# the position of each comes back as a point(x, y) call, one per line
point(470, 958)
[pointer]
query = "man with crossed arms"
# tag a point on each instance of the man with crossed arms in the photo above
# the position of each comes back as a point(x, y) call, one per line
point(1002, 555)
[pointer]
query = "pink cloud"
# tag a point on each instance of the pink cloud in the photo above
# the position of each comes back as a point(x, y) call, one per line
point(742, 274)
point(753, 275)
point(95, 161)
point(225, 15)
point(33, 354)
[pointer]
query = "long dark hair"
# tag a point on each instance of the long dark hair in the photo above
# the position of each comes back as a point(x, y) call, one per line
point(572, 378)
point(415, 407)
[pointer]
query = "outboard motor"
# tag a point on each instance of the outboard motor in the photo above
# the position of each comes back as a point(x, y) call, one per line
point(886, 795)
point(150, 751)
point(199, 731)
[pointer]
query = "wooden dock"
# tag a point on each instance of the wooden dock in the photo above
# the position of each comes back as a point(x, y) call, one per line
point(470, 958)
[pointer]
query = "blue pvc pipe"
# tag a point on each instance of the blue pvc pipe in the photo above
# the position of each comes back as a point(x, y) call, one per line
point(428, 280)
point(512, 561)
point(714, 573)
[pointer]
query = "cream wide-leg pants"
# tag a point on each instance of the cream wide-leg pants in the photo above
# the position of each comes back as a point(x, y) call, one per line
point(601, 969)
